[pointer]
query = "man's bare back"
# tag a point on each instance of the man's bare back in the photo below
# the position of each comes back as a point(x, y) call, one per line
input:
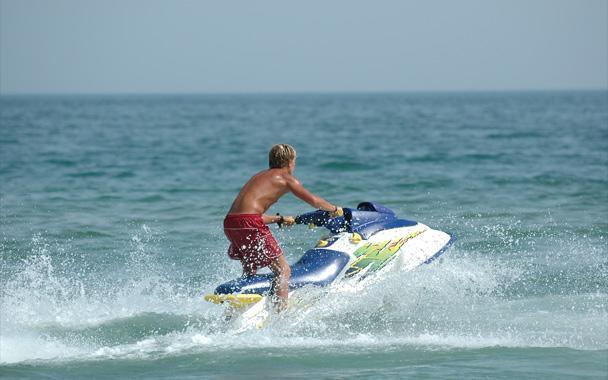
point(260, 192)
point(266, 187)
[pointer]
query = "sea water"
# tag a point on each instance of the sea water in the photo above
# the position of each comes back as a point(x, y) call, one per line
point(111, 232)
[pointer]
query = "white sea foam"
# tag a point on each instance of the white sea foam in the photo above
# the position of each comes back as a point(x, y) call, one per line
point(460, 301)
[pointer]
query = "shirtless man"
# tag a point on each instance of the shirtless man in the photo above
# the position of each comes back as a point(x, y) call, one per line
point(246, 227)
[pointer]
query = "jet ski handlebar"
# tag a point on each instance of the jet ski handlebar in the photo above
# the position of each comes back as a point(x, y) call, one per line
point(322, 218)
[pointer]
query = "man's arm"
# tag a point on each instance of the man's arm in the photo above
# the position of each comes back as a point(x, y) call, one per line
point(270, 219)
point(299, 191)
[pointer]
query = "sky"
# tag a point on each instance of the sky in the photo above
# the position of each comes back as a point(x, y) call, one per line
point(179, 46)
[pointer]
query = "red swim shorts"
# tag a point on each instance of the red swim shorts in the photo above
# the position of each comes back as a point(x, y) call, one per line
point(251, 240)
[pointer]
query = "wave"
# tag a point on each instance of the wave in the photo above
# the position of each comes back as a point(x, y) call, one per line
point(56, 308)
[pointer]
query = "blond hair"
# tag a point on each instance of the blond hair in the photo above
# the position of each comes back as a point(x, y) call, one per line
point(281, 155)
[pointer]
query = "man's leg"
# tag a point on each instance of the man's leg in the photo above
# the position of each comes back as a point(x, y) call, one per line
point(280, 284)
point(248, 269)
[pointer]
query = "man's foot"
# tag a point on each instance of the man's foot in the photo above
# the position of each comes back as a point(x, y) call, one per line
point(279, 304)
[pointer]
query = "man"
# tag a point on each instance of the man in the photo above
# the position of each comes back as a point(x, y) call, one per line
point(246, 224)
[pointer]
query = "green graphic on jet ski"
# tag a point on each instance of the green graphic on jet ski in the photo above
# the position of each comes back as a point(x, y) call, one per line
point(377, 255)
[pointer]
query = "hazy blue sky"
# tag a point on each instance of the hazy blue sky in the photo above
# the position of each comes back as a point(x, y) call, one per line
point(145, 46)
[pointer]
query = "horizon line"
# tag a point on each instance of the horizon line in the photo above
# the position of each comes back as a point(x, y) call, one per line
point(305, 92)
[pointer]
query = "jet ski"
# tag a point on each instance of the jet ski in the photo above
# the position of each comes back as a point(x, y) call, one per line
point(365, 241)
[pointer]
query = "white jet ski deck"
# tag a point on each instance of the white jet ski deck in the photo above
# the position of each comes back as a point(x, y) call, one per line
point(365, 241)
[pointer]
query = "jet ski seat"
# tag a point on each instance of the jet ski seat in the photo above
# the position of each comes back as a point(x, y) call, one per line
point(317, 267)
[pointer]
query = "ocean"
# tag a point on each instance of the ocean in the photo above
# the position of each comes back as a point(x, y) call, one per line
point(111, 232)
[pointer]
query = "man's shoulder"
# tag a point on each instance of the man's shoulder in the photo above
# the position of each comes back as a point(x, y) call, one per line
point(282, 177)
point(291, 180)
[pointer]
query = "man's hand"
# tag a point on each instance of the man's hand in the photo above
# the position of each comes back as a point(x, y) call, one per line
point(289, 220)
point(337, 212)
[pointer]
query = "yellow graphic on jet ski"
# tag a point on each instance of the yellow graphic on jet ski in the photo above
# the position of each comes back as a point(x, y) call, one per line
point(377, 255)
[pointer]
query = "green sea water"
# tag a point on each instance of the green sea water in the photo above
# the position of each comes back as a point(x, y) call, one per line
point(111, 210)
